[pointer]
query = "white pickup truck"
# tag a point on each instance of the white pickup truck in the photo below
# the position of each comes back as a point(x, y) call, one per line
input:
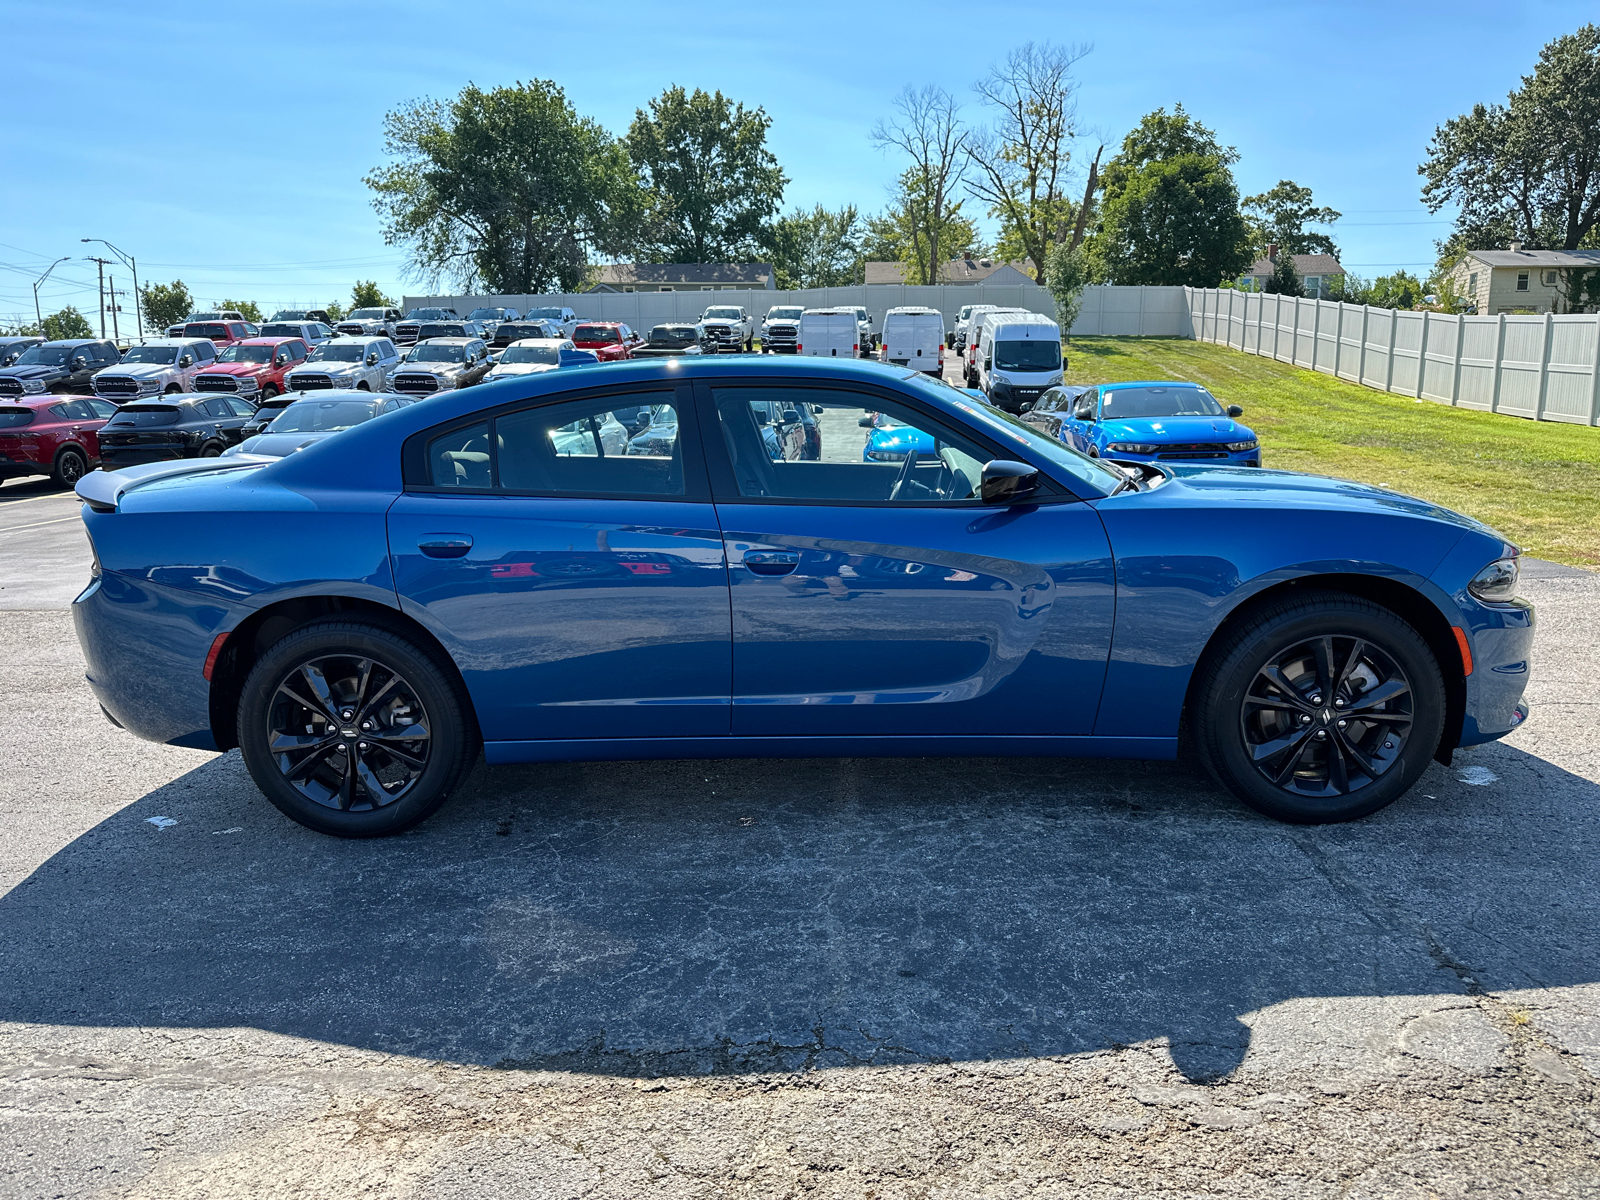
point(730, 327)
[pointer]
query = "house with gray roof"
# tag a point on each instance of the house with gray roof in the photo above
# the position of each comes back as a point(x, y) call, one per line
point(957, 270)
point(684, 277)
point(1518, 280)
point(1315, 271)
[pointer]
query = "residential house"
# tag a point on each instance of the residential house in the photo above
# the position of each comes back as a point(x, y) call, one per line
point(1517, 280)
point(684, 277)
point(1316, 272)
point(957, 270)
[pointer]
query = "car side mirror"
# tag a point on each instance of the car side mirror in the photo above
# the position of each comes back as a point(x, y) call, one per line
point(79, 363)
point(791, 416)
point(1084, 412)
point(817, 409)
point(186, 361)
point(372, 360)
point(1006, 481)
point(1235, 411)
point(988, 363)
point(865, 422)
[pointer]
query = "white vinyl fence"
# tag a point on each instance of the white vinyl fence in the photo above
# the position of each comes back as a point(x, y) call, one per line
point(1107, 310)
point(1544, 367)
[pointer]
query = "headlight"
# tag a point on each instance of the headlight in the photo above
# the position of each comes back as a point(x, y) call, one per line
point(32, 385)
point(1250, 445)
point(1132, 448)
point(1496, 583)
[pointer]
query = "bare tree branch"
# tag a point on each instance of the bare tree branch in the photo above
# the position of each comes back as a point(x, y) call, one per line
point(929, 130)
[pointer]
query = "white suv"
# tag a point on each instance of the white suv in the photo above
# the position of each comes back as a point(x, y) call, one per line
point(156, 368)
point(346, 362)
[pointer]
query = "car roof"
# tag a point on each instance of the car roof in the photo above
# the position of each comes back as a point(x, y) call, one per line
point(274, 340)
point(1133, 383)
point(77, 341)
point(44, 401)
point(346, 339)
point(292, 397)
point(538, 342)
point(449, 341)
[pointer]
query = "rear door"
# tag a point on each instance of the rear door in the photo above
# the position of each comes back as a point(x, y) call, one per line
point(583, 593)
point(872, 596)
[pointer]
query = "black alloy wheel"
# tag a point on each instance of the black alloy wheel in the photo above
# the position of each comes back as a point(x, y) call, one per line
point(70, 467)
point(350, 729)
point(1316, 708)
point(211, 450)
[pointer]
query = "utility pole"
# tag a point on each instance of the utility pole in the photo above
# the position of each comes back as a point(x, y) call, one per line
point(37, 315)
point(138, 301)
point(111, 290)
point(102, 263)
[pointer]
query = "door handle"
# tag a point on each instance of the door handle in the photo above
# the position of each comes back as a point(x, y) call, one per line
point(771, 562)
point(445, 545)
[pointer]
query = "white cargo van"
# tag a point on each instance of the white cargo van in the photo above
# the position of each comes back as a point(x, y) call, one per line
point(969, 346)
point(1019, 356)
point(829, 333)
point(914, 337)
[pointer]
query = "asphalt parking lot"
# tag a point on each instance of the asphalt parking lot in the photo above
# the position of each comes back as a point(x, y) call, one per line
point(884, 978)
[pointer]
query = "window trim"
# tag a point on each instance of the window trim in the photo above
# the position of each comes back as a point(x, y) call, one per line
point(696, 486)
point(725, 487)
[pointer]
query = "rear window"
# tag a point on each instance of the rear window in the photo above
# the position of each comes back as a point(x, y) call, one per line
point(15, 418)
point(214, 332)
point(144, 418)
point(596, 333)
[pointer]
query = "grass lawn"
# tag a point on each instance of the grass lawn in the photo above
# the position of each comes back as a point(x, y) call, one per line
point(1537, 482)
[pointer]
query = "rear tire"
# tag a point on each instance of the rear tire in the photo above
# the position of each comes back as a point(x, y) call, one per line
point(211, 450)
point(393, 736)
point(268, 392)
point(70, 466)
point(1319, 708)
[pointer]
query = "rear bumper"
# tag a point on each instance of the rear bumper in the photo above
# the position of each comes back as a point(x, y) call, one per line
point(112, 457)
point(16, 468)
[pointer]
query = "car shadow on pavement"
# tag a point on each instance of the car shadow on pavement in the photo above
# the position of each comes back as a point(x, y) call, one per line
point(751, 916)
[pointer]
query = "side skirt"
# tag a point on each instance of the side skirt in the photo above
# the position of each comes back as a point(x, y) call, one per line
point(608, 749)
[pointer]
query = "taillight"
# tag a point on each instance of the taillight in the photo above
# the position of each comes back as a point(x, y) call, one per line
point(798, 347)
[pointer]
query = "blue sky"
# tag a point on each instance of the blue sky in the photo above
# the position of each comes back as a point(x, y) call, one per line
point(225, 144)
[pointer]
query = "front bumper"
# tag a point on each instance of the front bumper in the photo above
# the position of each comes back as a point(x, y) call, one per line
point(1500, 637)
point(107, 390)
point(1219, 456)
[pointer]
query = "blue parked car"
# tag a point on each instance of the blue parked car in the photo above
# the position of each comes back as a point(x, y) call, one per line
point(890, 441)
point(480, 573)
point(1147, 421)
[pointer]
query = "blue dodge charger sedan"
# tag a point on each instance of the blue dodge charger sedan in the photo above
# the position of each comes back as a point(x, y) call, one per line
point(1147, 421)
point(479, 572)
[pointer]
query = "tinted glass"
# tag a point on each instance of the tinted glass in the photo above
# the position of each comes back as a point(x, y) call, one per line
point(160, 355)
point(550, 314)
point(321, 416)
point(15, 418)
point(365, 314)
point(460, 458)
point(532, 354)
point(446, 354)
point(214, 332)
point(439, 331)
point(78, 410)
point(1120, 403)
point(596, 333)
point(103, 408)
point(856, 449)
point(281, 331)
point(1027, 354)
point(342, 352)
point(581, 447)
point(674, 333)
point(143, 418)
point(246, 354)
point(723, 314)
point(785, 314)
point(47, 356)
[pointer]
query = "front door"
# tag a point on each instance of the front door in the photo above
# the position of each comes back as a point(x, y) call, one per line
point(575, 576)
point(873, 595)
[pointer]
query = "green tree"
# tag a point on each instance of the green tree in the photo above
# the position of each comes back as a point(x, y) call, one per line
point(927, 128)
point(1400, 290)
point(1170, 213)
point(1280, 216)
point(1020, 164)
point(506, 191)
point(1529, 167)
point(1284, 280)
point(336, 310)
point(165, 304)
point(367, 294)
point(1068, 272)
point(68, 323)
point(712, 184)
point(902, 233)
point(819, 248)
point(245, 308)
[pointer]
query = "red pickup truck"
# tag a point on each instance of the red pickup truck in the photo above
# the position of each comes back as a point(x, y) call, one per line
point(611, 341)
point(253, 368)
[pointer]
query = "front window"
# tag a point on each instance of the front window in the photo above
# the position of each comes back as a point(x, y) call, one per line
point(1121, 403)
point(1027, 354)
point(15, 418)
point(218, 333)
point(673, 333)
point(485, 314)
point(321, 416)
point(281, 331)
point(332, 352)
point(288, 314)
point(161, 356)
point(244, 354)
point(785, 314)
point(723, 314)
point(543, 314)
point(444, 354)
point(596, 333)
point(47, 356)
point(548, 355)
point(366, 314)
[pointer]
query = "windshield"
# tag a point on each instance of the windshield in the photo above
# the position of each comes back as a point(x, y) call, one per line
point(486, 314)
point(428, 314)
point(723, 314)
point(144, 418)
point(543, 314)
point(673, 333)
point(15, 418)
point(1120, 403)
point(331, 352)
point(244, 354)
point(596, 333)
point(281, 331)
point(427, 353)
point(46, 356)
point(424, 332)
point(160, 355)
point(321, 416)
point(288, 314)
point(1029, 354)
point(1007, 428)
point(366, 314)
point(550, 355)
point(515, 333)
point(966, 311)
point(785, 314)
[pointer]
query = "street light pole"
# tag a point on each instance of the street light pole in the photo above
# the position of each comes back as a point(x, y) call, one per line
point(138, 298)
point(37, 315)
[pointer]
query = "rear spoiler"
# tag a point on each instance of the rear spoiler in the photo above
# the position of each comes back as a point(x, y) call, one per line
point(103, 490)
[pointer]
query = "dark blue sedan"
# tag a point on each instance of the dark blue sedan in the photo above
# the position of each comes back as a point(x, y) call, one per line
point(479, 573)
point(1147, 421)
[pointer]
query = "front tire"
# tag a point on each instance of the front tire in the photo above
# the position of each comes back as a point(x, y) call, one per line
point(350, 729)
point(268, 393)
point(1319, 708)
point(70, 466)
point(172, 389)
